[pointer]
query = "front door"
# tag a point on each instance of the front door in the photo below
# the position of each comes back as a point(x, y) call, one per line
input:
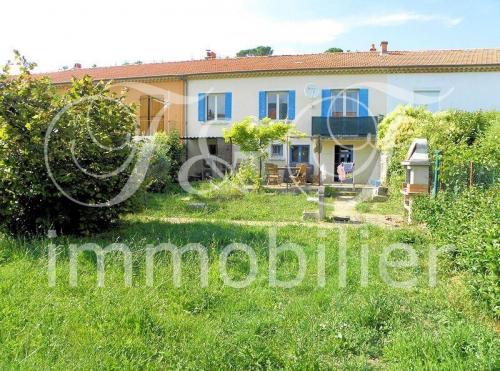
point(343, 154)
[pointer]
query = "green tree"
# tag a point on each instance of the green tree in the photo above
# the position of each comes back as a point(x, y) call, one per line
point(255, 52)
point(89, 138)
point(334, 50)
point(254, 138)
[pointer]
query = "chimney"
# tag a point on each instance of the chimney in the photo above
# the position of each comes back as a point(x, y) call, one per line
point(373, 48)
point(210, 55)
point(383, 46)
point(77, 66)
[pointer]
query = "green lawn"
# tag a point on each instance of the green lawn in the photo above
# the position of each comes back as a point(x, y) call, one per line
point(393, 206)
point(254, 206)
point(215, 327)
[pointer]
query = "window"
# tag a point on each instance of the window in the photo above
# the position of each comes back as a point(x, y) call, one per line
point(299, 153)
point(151, 112)
point(345, 103)
point(277, 151)
point(212, 149)
point(426, 98)
point(216, 107)
point(277, 105)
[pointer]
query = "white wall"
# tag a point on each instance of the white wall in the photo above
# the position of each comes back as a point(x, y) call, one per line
point(365, 158)
point(467, 90)
point(245, 92)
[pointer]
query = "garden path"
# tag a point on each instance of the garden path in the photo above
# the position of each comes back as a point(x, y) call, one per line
point(345, 206)
point(379, 220)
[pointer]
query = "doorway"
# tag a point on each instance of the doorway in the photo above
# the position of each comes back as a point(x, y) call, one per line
point(343, 153)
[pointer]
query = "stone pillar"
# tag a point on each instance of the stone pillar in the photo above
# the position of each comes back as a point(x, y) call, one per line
point(321, 202)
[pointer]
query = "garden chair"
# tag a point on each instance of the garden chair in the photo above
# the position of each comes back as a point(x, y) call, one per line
point(272, 175)
point(300, 176)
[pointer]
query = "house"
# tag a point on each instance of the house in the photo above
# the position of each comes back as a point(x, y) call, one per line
point(336, 99)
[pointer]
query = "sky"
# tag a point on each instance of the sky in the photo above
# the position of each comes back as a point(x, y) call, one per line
point(108, 32)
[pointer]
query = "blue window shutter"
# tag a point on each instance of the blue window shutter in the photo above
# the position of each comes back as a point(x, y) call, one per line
point(229, 98)
point(326, 100)
point(291, 105)
point(363, 103)
point(201, 107)
point(262, 104)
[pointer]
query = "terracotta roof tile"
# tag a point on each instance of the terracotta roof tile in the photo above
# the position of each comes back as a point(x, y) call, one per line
point(348, 60)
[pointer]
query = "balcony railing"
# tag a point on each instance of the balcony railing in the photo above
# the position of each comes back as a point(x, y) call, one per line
point(345, 126)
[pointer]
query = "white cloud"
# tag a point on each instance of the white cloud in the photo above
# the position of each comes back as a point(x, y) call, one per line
point(404, 17)
point(59, 33)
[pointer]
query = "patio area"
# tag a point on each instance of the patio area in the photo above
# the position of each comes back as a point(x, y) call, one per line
point(308, 187)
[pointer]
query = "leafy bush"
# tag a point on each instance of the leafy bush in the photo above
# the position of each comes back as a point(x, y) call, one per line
point(330, 191)
point(91, 137)
point(165, 162)
point(247, 174)
point(364, 207)
point(236, 185)
point(221, 189)
point(469, 222)
point(465, 218)
point(396, 132)
point(231, 186)
point(460, 136)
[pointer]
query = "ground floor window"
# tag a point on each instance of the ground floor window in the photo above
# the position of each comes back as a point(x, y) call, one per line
point(277, 151)
point(151, 108)
point(299, 153)
point(212, 149)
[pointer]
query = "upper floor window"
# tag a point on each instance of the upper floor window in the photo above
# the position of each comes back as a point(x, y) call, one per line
point(277, 105)
point(345, 103)
point(426, 98)
point(216, 107)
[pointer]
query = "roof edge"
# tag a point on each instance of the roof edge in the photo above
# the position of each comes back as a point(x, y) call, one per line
point(308, 71)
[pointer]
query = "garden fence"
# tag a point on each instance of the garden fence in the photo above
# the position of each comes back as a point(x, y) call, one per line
point(454, 178)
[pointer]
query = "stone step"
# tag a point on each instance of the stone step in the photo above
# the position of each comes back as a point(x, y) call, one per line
point(345, 198)
point(341, 218)
point(346, 193)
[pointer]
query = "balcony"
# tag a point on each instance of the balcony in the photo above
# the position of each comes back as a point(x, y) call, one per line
point(352, 127)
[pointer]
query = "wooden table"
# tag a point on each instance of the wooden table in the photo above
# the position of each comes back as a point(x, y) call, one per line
point(292, 170)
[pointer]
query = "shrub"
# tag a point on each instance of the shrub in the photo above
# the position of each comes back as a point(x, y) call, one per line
point(396, 132)
point(364, 207)
point(90, 138)
point(469, 222)
point(246, 179)
point(247, 174)
point(165, 162)
point(224, 189)
point(330, 191)
point(465, 218)
point(460, 136)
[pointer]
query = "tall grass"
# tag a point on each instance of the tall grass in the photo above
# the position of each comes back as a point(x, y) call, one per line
point(191, 327)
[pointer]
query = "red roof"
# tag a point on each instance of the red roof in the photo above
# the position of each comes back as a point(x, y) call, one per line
point(323, 61)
